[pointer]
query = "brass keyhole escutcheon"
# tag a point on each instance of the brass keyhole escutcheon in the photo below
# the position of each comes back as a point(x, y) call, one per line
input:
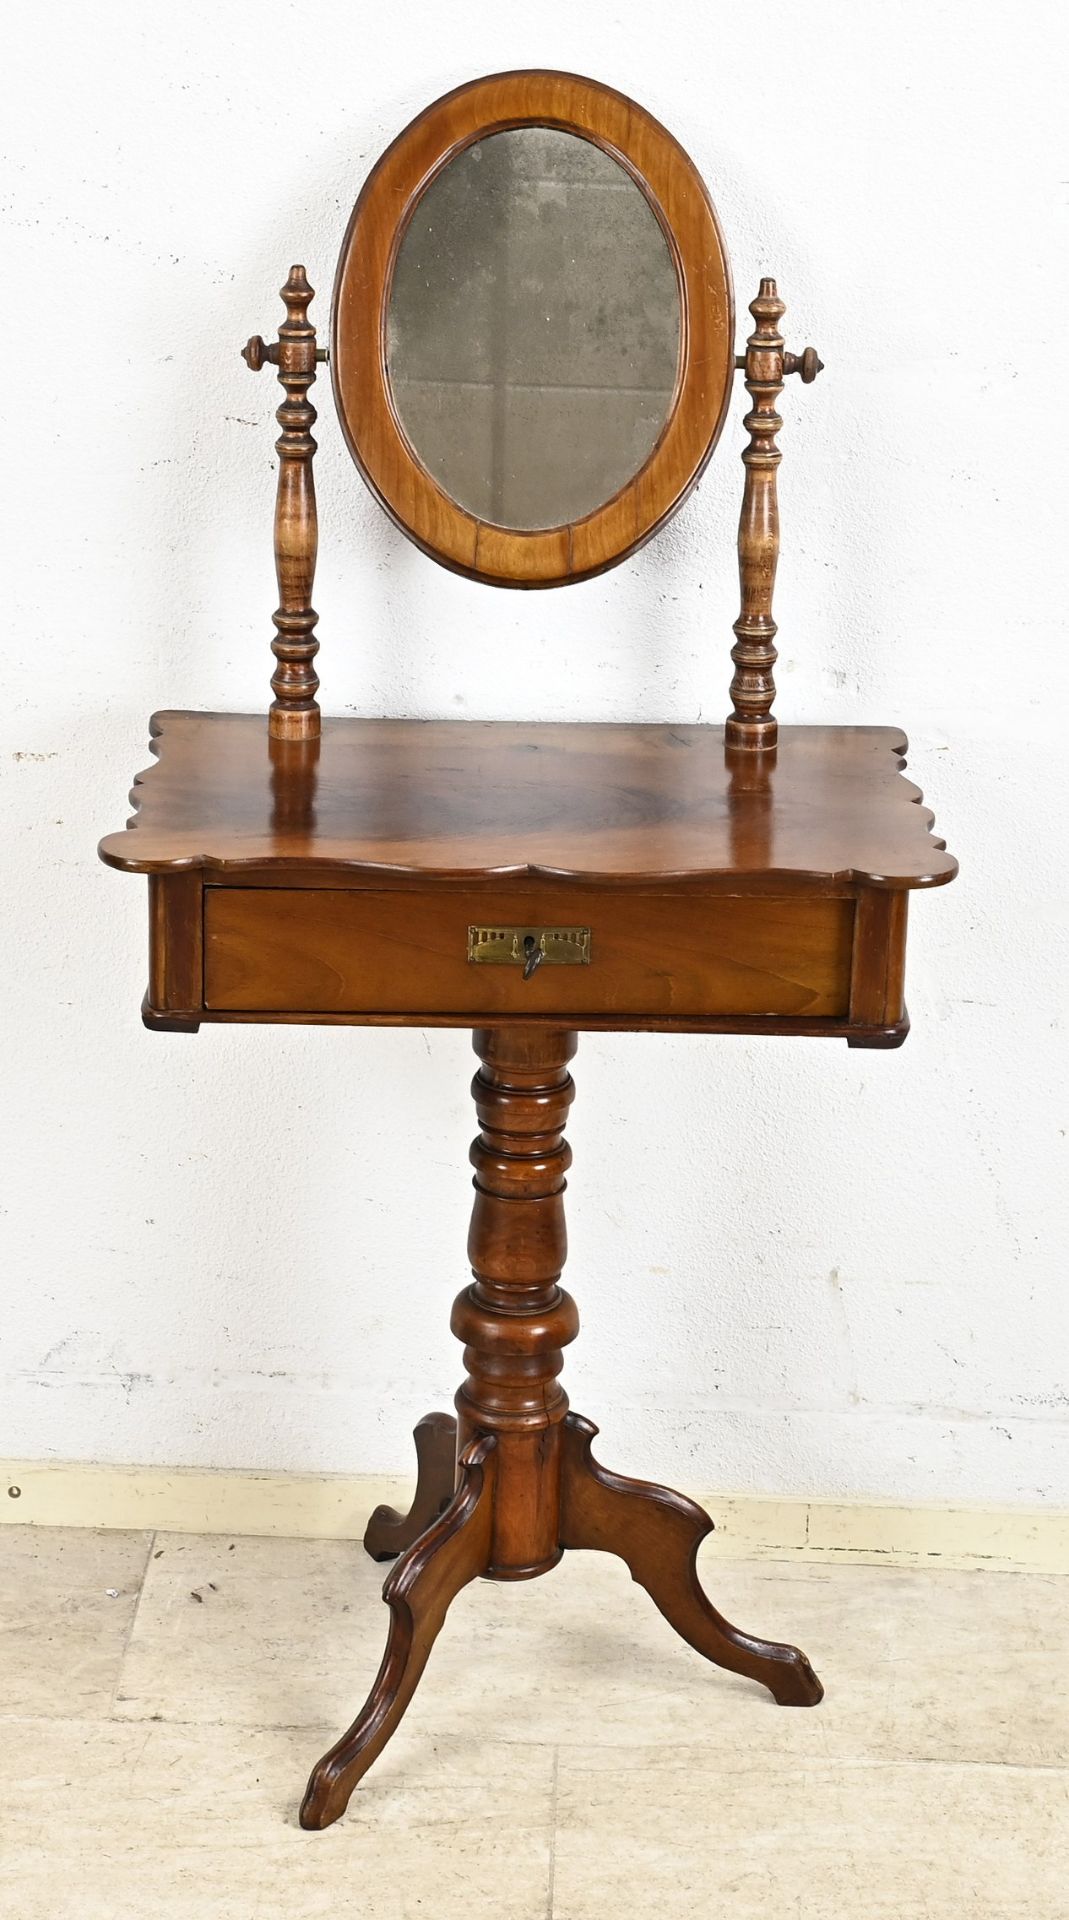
point(529, 947)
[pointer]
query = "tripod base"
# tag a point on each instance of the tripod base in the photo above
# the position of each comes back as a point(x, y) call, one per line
point(510, 1484)
point(655, 1532)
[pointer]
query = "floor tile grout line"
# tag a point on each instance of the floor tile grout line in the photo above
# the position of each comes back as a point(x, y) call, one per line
point(776, 1765)
point(111, 1713)
point(773, 1765)
point(551, 1882)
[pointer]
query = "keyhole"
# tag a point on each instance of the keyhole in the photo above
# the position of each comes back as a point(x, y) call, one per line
point(534, 954)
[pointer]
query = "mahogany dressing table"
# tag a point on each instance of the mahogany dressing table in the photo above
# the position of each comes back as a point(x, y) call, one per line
point(532, 353)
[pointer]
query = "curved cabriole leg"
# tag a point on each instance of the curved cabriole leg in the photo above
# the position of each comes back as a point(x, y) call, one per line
point(657, 1534)
point(453, 1551)
point(389, 1532)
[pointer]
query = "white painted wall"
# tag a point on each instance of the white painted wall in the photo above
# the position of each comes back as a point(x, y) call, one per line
point(240, 1249)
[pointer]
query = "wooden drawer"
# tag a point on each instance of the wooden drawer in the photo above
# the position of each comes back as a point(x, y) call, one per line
point(337, 951)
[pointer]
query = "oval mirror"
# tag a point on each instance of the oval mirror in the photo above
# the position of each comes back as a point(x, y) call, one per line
point(533, 326)
point(532, 332)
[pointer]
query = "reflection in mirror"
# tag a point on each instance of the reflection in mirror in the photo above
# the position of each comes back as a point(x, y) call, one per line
point(533, 328)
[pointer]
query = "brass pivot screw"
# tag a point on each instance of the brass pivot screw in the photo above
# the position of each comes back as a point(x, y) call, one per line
point(256, 352)
point(807, 363)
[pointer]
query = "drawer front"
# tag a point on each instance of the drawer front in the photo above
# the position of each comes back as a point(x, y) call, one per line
point(326, 950)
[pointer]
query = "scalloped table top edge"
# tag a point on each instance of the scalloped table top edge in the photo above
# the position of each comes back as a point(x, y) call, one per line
point(412, 801)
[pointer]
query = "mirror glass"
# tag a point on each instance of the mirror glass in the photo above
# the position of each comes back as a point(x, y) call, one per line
point(533, 328)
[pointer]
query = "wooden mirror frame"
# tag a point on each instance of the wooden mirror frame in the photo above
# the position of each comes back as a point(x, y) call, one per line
point(555, 556)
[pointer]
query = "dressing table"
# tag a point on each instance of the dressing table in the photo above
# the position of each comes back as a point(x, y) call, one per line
point(532, 353)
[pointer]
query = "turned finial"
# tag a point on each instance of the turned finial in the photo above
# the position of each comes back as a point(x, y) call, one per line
point(294, 713)
point(753, 689)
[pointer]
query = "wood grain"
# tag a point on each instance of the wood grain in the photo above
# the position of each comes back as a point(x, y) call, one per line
point(753, 689)
point(419, 1588)
point(527, 1485)
point(657, 1533)
point(750, 724)
point(176, 946)
point(388, 1532)
point(516, 1319)
point(400, 800)
point(328, 950)
point(378, 444)
point(294, 712)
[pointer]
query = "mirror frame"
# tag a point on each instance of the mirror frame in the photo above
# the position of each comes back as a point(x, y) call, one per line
point(554, 556)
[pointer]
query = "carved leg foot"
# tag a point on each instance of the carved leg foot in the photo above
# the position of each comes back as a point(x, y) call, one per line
point(453, 1551)
point(657, 1534)
point(388, 1532)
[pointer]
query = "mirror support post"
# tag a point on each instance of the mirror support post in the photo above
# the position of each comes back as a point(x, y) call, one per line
point(751, 724)
point(294, 712)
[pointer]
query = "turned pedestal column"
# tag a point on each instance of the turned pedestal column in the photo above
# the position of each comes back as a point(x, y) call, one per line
point(515, 1319)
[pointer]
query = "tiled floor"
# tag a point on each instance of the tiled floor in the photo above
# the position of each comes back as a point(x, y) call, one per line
point(162, 1699)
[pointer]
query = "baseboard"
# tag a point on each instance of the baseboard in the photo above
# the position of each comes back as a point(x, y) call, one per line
point(336, 1506)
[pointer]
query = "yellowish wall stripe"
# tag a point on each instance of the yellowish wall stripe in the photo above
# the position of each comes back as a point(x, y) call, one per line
point(336, 1506)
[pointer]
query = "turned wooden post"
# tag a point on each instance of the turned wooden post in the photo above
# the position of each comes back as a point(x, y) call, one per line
point(753, 688)
point(294, 713)
point(515, 1319)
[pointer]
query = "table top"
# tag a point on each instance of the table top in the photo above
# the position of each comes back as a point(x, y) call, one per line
point(401, 802)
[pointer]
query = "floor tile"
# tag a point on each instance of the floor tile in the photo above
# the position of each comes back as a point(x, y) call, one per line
point(256, 1632)
point(933, 1782)
point(67, 1599)
point(939, 1666)
point(917, 1665)
point(117, 1821)
point(912, 1842)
